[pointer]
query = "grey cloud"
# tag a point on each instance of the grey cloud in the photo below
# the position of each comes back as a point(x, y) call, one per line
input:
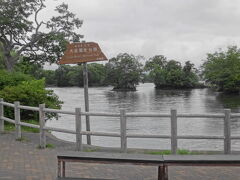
point(179, 29)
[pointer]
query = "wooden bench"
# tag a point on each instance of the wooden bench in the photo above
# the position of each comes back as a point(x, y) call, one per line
point(107, 158)
point(70, 178)
point(198, 160)
point(161, 161)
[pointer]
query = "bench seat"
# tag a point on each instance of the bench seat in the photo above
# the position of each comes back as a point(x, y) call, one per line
point(162, 161)
point(202, 159)
point(107, 158)
point(198, 160)
point(69, 178)
point(111, 157)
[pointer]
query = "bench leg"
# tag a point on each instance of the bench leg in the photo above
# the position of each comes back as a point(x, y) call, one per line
point(59, 168)
point(165, 169)
point(63, 169)
point(162, 173)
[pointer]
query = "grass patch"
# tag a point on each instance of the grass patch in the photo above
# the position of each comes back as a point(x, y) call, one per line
point(167, 152)
point(11, 127)
point(50, 146)
point(22, 139)
point(90, 150)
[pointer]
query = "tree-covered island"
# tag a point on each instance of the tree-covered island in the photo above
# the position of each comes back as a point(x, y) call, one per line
point(170, 74)
point(124, 72)
point(222, 70)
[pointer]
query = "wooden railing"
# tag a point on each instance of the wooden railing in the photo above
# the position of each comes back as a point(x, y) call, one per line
point(123, 135)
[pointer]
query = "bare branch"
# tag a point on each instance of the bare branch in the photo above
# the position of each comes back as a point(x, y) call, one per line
point(28, 44)
point(36, 17)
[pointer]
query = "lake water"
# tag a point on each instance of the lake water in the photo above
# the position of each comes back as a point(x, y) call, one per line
point(147, 99)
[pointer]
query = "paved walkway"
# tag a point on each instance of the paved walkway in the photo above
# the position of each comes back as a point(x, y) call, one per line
point(23, 160)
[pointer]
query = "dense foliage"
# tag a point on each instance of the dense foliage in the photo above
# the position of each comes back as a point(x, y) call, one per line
point(23, 34)
point(1, 60)
point(23, 88)
point(124, 72)
point(171, 74)
point(12, 79)
point(222, 69)
point(67, 75)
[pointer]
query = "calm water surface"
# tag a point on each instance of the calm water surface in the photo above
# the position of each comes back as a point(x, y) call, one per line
point(146, 100)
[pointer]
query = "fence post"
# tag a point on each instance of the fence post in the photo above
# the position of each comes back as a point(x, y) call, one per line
point(123, 130)
point(78, 123)
point(1, 115)
point(174, 131)
point(18, 134)
point(42, 125)
point(227, 131)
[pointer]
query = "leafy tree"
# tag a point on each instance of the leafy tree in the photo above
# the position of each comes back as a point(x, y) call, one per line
point(32, 69)
point(30, 93)
point(37, 40)
point(222, 69)
point(1, 60)
point(173, 65)
point(97, 74)
point(146, 78)
point(49, 76)
point(67, 75)
point(62, 76)
point(157, 61)
point(124, 72)
point(12, 79)
point(75, 76)
point(171, 74)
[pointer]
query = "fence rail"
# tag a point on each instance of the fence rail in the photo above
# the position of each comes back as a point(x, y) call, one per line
point(123, 135)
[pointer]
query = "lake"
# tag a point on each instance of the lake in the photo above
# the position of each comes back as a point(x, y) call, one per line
point(147, 99)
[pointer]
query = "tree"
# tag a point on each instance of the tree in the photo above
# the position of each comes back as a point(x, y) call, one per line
point(49, 76)
point(1, 60)
point(157, 61)
point(191, 79)
point(67, 75)
point(124, 72)
point(97, 74)
point(171, 74)
point(222, 69)
point(12, 78)
point(30, 93)
point(62, 76)
point(26, 67)
point(37, 40)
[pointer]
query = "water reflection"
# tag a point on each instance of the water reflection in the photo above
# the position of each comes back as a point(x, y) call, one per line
point(231, 101)
point(170, 93)
point(123, 100)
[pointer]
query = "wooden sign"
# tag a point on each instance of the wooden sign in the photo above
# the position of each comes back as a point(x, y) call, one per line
point(82, 52)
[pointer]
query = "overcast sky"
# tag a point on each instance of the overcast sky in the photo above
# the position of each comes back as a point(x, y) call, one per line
point(178, 29)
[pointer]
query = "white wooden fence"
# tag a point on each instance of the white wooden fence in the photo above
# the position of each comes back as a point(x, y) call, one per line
point(123, 135)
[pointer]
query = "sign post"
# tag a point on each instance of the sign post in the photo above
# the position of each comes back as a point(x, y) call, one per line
point(82, 53)
point(85, 81)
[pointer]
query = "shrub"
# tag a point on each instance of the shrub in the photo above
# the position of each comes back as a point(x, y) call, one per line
point(30, 93)
point(12, 79)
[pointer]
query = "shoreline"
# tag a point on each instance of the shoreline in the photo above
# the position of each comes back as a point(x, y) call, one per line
point(92, 148)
